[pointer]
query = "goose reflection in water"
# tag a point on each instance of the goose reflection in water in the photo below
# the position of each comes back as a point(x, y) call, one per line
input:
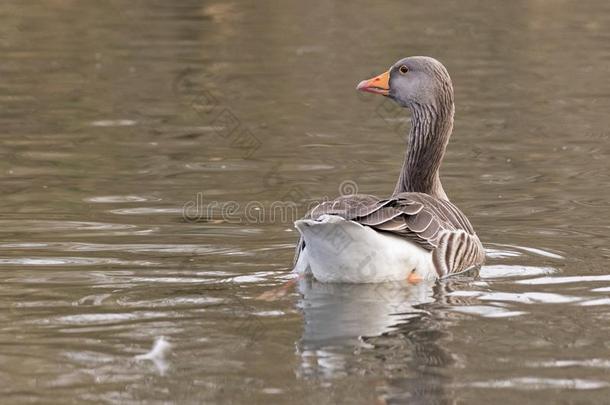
point(347, 313)
point(393, 332)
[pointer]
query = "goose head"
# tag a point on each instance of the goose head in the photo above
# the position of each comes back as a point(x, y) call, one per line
point(413, 82)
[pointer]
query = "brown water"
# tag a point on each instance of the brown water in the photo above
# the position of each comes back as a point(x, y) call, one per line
point(116, 116)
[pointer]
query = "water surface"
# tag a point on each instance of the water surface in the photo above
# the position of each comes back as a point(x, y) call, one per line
point(135, 134)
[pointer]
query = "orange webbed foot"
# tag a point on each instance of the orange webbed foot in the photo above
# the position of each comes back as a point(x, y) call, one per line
point(414, 278)
point(278, 292)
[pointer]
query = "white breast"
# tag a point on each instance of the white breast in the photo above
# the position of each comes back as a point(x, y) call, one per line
point(339, 250)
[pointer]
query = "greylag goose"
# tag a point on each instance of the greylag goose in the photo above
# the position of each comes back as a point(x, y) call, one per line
point(414, 234)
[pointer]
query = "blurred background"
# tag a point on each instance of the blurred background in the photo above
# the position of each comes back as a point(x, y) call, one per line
point(127, 127)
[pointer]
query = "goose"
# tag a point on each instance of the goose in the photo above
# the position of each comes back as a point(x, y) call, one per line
point(416, 233)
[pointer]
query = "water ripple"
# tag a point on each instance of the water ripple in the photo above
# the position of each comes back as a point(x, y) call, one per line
point(504, 270)
point(73, 261)
point(564, 280)
point(535, 383)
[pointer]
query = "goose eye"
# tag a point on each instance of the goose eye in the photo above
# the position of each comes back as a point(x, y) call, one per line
point(403, 69)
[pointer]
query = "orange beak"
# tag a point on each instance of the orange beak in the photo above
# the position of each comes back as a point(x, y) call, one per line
point(377, 85)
